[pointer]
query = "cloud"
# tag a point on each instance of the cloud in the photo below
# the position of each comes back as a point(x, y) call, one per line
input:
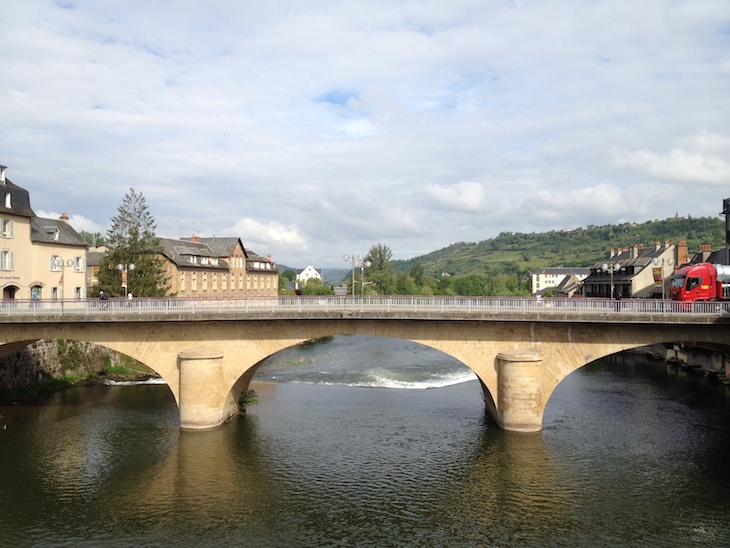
point(78, 222)
point(310, 130)
point(676, 165)
point(265, 237)
point(464, 196)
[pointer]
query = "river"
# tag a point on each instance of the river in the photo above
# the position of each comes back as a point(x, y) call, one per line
point(359, 441)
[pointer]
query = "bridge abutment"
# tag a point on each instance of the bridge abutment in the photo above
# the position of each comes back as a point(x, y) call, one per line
point(519, 396)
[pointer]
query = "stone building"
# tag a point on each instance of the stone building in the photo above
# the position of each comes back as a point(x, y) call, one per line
point(217, 267)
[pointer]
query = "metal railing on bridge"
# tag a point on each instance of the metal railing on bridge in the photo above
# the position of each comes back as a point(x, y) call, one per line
point(367, 304)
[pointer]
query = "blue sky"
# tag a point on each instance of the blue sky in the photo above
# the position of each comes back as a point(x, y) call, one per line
point(315, 129)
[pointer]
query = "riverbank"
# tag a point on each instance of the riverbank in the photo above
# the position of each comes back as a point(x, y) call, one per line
point(48, 365)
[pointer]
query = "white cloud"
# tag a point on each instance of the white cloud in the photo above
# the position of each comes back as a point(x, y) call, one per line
point(271, 236)
point(464, 196)
point(677, 165)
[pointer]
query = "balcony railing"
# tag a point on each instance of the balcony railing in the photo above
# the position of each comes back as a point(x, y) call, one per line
point(307, 306)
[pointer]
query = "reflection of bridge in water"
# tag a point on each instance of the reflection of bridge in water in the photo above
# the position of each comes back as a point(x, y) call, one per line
point(208, 350)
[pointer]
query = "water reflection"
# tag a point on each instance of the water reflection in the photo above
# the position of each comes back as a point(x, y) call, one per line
point(631, 454)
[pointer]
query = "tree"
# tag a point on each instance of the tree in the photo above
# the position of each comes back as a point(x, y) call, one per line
point(131, 240)
point(381, 271)
point(93, 239)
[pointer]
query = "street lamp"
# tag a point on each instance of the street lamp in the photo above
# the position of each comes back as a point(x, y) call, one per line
point(58, 262)
point(123, 268)
point(615, 267)
point(357, 262)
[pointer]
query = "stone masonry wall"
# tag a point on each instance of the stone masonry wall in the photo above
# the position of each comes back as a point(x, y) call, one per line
point(48, 360)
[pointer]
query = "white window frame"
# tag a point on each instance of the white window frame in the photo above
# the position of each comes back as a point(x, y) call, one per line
point(7, 260)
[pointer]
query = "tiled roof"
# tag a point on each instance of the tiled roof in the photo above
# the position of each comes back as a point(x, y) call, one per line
point(191, 254)
point(19, 200)
point(54, 231)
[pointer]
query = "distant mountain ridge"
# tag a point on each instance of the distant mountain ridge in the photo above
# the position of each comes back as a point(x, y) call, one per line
point(513, 253)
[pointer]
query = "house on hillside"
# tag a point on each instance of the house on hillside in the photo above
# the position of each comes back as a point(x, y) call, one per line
point(307, 274)
point(632, 272)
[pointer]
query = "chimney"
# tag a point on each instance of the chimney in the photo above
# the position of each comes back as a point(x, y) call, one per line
point(195, 239)
point(64, 218)
point(658, 245)
point(634, 251)
point(268, 258)
point(2, 174)
point(666, 244)
point(612, 254)
point(682, 252)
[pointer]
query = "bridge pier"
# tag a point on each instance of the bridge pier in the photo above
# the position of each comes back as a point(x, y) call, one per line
point(202, 396)
point(519, 398)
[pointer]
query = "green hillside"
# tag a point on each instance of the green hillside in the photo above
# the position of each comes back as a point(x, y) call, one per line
point(513, 253)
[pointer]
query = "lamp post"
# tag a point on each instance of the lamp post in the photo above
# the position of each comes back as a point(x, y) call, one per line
point(357, 262)
point(58, 262)
point(124, 268)
point(611, 268)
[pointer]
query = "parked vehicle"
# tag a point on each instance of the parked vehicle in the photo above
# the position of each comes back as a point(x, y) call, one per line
point(701, 282)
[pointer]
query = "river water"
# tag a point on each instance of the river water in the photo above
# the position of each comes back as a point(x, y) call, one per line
point(347, 447)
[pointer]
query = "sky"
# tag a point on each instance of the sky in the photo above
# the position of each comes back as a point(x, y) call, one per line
point(314, 129)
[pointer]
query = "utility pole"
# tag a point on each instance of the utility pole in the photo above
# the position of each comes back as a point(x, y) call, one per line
point(726, 213)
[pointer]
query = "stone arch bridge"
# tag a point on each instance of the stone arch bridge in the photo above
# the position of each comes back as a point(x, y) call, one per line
point(520, 349)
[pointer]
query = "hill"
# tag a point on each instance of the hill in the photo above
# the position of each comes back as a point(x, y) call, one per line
point(512, 253)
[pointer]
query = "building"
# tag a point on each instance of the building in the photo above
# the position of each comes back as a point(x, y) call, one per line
point(39, 258)
point(262, 276)
point(633, 272)
point(193, 270)
point(307, 274)
point(551, 278)
point(217, 267)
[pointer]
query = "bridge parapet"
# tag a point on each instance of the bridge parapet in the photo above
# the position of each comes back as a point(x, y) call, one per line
point(373, 307)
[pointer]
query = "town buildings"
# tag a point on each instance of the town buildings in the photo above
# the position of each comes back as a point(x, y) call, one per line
point(633, 272)
point(550, 278)
point(47, 259)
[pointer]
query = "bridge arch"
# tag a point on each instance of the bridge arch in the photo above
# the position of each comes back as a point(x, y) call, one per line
point(211, 361)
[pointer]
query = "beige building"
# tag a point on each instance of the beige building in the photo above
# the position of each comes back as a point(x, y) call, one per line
point(217, 267)
point(39, 258)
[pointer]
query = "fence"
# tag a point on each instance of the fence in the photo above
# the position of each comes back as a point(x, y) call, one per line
point(367, 304)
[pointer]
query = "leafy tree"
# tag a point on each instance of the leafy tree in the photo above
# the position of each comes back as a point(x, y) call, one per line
point(381, 271)
point(94, 239)
point(314, 286)
point(417, 273)
point(289, 275)
point(131, 240)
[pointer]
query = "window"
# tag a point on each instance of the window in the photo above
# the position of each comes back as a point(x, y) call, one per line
point(693, 282)
point(6, 260)
point(8, 200)
point(36, 292)
point(6, 228)
point(56, 263)
point(78, 264)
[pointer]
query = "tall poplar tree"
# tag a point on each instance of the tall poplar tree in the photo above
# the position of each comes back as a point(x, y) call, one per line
point(131, 240)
